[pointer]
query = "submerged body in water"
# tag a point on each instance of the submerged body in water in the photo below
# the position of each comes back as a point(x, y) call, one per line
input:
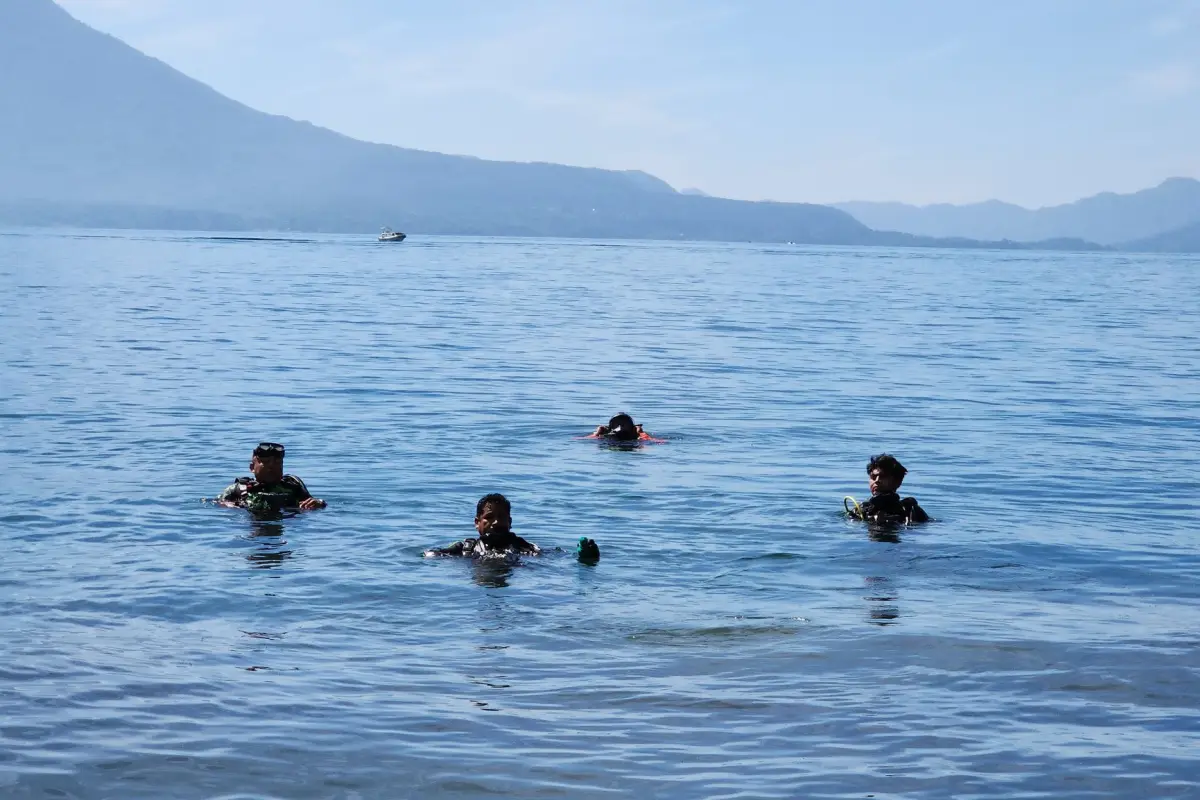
point(506, 545)
point(890, 508)
point(289, 492)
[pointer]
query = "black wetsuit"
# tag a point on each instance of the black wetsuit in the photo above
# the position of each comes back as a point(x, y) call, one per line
point(496, 544)
point(891, 508)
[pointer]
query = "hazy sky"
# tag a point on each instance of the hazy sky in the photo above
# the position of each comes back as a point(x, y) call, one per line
point(1032, 101)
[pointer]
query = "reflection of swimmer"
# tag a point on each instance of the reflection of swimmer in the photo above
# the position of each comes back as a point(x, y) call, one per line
point(493, 522)
point(492, 573)
point(267, 530)
point(882, 598)
point(269, 490)
point(885, 474)
point(621, 428)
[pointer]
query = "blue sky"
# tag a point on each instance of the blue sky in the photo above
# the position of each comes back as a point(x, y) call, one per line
point(1032, 101)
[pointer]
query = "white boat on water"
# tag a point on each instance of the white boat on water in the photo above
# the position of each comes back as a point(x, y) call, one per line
point(389, 235)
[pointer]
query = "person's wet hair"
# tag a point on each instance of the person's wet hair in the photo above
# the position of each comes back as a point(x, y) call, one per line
point(888, 465)
point(622, 427)
point(494, 499)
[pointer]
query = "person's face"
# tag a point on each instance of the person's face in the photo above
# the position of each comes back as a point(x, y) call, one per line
point(882, 482)
point(493, 519)
point(265, 467)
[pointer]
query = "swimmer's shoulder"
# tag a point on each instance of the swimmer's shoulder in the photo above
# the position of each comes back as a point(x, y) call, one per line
point(293, 482)
point(913, 509)
point(525, 546)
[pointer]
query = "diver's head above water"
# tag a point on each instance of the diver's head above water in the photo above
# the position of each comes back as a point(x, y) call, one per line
point(493, 524)
point(885, 474)
point(622, 428)
point(267, 462)
point(493, 516)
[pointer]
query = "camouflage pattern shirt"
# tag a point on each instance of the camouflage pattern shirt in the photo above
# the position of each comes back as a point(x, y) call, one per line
point(248, 493)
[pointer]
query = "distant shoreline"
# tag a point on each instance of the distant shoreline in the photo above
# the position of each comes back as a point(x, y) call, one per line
point(250, 235)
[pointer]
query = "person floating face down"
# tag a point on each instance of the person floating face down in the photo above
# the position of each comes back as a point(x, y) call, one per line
point(270, 490)
point(493, 523)
point(620, 428)
point(884, 476)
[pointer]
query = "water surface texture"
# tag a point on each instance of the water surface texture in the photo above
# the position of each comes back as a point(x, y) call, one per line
point(738, 637)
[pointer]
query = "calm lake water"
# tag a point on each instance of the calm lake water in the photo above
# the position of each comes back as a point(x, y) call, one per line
point(737, 639)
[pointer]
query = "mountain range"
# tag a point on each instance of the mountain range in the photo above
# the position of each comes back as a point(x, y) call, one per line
point(1108, 218)
point(97, 133)
point(1176, 240)
point(98, 128)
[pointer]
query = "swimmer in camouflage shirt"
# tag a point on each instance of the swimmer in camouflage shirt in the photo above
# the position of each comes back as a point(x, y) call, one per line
point(269, 490)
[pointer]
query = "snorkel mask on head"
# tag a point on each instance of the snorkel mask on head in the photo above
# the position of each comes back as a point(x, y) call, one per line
point(269, 450)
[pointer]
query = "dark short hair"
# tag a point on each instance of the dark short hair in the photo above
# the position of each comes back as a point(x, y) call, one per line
point(493, 499)
point(269, 450)
point(620, 418)
point(887, 464)
point(625, 421)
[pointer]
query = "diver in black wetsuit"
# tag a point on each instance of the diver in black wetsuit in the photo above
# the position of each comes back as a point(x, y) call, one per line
point(885, 474)
point(493, 522)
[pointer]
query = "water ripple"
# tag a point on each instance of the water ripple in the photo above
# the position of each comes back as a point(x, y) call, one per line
point(737, 639)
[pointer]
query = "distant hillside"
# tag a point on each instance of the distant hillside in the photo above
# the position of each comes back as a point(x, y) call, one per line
point(1180, 240)
point(105, 131)
point(1105, 218)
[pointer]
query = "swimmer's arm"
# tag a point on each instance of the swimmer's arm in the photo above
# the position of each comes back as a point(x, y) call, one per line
point(456, 549)
point(234, 494)
point(312, 503)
